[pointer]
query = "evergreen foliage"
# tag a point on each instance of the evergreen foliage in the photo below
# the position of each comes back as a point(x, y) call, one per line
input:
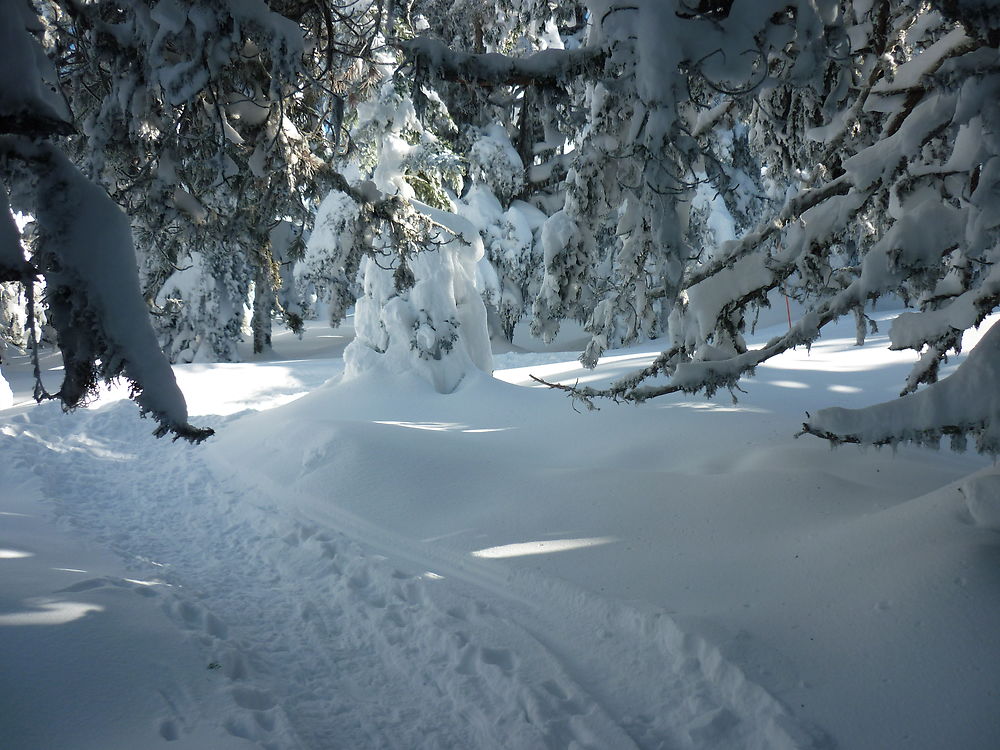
point(649, 169)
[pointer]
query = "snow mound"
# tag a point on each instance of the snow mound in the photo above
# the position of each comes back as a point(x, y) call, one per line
point(6, 395)
point(982, 498)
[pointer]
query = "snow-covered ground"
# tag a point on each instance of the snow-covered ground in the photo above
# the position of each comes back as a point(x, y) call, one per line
point(374, 565)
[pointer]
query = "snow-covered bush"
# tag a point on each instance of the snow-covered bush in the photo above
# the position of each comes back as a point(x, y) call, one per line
point(202, 308)
point(426, 314)
point(494, 162)
point(328, 271)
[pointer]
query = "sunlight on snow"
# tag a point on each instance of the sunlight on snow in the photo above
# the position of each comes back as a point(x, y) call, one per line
point(50, 613)
point(543, 547)
point(843, 389)
point(14, 554)
point(228, 388)
point(786, 383)
point(138, 582)
point(439, 426)
point(827, 356)
point(713, 407)
point(432, 426)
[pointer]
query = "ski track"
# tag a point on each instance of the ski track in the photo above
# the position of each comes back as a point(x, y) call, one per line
point(326, 636)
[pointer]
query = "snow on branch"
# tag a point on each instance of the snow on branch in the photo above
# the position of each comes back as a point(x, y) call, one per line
point(966, 402)
point(903, 205)
point(550, 67)
point(86, 254)
point(30, 100)
point(752, 241)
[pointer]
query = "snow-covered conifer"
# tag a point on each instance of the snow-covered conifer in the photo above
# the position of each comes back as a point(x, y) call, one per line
point(852, 144)
point(210, 123)
point(394, 238)
point(83, 245)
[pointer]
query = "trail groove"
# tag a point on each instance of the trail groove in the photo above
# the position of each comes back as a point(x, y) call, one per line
point(326, 636)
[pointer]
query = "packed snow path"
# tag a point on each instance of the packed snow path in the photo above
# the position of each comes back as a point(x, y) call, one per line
point(324, 639)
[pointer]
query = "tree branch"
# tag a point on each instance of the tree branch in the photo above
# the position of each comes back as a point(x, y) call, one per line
point(549, 67)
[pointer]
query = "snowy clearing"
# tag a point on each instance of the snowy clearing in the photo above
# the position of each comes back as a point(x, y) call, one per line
point(375, 565)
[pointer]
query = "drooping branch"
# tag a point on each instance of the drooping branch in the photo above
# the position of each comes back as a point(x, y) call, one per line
point(751, 241)
point(964, 402)
point(86, 254)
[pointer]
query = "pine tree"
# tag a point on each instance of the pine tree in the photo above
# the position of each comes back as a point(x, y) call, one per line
point(393, 239)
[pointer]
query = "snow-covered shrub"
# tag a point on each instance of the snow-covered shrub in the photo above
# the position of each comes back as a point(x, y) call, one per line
point(494, 162)
point(423, 313)
point(200, 313)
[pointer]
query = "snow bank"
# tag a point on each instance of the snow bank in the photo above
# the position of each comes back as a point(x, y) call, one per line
point(6, 395)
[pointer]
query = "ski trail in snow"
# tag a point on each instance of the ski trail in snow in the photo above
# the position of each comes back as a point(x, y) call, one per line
point(327, 634)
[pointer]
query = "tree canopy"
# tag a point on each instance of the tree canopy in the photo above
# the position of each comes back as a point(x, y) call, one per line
point(653, 170)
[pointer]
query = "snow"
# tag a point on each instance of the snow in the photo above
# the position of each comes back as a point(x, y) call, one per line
point(910, 74)
point(88, 242)
point(370, 563)
point(982, 498)
point(6, 394)
point(27, 80)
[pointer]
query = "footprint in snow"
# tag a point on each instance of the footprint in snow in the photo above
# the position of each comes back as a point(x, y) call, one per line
point(169, 731)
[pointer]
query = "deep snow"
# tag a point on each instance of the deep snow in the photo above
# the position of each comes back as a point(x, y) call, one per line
point(373, 564)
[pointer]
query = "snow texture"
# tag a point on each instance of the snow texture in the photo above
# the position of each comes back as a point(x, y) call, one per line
point(30, 99)
point(982, 498)
point(366, 563)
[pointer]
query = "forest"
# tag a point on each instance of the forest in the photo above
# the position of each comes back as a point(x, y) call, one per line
point(505, 346)
point(450, 170)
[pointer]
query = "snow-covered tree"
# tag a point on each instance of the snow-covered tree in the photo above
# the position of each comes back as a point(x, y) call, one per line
point(211, 123)
point(512, 131)
point(83, 246)
point(656, 168)
point(853, 140)
point(394, 241)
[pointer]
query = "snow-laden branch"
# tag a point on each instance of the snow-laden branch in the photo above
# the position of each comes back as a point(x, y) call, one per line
point(753, 240)
point(86, 254)
point(548, 67)
point(910, 211)
point(965, 402)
